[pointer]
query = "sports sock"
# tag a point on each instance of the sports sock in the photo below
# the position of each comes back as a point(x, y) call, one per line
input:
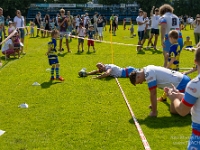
point(52, 72)
point(57, 73)
point(164, 96)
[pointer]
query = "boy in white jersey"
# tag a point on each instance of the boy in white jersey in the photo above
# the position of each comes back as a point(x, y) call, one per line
point(158, 77)
point(154, 26)
point(189, 102)
point(168, 21)
point(111, 70)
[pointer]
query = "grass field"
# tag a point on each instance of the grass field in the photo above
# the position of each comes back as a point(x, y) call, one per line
point(85, 113)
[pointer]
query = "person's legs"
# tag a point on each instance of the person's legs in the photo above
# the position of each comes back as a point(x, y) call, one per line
point(156, 40)
point(166, 51)
point(8, 52)
point(67, 44)
point(38, 30)
point(150, 39)
point(52, 71)
point(140, 36)
point(78, 45)
point(89, 45)
point(196, 38)
point(82, 42)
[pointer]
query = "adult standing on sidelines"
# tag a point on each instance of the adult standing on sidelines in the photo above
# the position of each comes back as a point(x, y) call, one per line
point(168, 21)
point(38, 22)
point(147, 29)
point(196, 24)
point(100, 27)
point(95, 18)
point(63, 25)
point(185, 21)
point(160, 77)
point(19, 22)
point(189, 102)
point(70, 27)
point(141, 27)
point(2, 23)
point(154, 26)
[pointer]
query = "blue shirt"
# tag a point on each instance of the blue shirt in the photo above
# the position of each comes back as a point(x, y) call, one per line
point(91, 34)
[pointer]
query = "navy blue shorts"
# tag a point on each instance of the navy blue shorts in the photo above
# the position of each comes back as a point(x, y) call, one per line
point(140, 35)
point(154, 31)
point(53, 60)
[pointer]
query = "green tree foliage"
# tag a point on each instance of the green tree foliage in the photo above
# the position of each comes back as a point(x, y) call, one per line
point(188, 7)
point(10, 6)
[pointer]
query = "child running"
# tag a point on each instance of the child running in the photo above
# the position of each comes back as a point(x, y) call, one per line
point(53, 57)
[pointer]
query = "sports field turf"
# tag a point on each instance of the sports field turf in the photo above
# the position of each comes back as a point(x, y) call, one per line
point(85, 113)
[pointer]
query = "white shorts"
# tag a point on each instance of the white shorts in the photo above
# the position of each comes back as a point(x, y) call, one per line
point(64, 34)
point(100, 31)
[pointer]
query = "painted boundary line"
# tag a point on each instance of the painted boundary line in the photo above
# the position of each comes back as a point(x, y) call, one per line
point(142, 136)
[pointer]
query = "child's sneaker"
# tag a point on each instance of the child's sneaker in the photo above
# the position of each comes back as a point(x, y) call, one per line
point(60, 78)
point(51, 79)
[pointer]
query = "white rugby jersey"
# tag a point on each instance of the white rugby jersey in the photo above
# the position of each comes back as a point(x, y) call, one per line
point(171, 20)
point(155, 20)
point(161, 77)
point(115, 70)
point(192, 98)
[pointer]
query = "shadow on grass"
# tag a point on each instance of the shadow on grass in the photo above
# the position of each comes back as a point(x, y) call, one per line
point(89, 52)
point(165, 121)
point(141, 52)
point(45, 85)
point(79, 53)
point(62, 55)
point(154, 51)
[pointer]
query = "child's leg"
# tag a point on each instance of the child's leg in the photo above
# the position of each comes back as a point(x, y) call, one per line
point(52, 72)
point(58, 77)
point(57, 71)
point(93, 48)
point(82, 45)
point(67, 44)
point(78, 45)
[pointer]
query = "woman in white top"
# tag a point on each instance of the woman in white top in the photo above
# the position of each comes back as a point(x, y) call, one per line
point(8, 48)
point(196, 24)
point(19, 22)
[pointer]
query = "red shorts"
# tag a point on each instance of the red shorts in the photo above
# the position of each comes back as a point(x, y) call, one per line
point(90, 43)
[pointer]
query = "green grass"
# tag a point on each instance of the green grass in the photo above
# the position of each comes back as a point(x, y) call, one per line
point(85, 113)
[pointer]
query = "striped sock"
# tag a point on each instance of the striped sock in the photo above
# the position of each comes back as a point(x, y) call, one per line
point(52, 72)
point(57, 73)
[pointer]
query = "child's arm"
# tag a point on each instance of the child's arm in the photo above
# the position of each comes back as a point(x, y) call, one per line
point(93, 72)
point(49, 49)
point(171, 62)
point(190, 71)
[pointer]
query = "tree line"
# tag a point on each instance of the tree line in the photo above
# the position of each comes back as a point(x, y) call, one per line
point(181, 7)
